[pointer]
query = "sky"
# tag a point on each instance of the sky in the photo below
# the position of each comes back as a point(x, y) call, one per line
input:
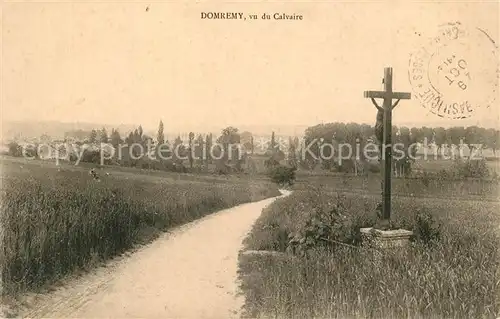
point(116, 62)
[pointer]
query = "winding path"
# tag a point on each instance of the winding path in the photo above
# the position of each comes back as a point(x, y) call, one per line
point(190, 272)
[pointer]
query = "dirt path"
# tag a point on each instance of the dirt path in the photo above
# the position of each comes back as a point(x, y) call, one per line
point(188, 273)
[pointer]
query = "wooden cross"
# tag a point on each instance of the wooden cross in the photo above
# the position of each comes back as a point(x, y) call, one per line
point(386, 162)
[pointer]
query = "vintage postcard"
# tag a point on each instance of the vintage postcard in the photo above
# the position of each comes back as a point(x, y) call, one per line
point(249, 159)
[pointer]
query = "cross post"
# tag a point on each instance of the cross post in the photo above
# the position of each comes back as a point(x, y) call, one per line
point(386, 161)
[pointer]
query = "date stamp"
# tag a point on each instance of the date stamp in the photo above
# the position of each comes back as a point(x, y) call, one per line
point(456, 73)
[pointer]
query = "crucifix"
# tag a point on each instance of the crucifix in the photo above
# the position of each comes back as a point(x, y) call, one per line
point(384, 134)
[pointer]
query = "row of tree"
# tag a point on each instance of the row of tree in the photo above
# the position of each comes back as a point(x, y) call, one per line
point(198, 148)
point(350, 132)
point(171, 155)
point(339, 132)
point(358, 135)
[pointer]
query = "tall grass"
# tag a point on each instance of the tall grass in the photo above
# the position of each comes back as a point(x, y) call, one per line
point(456, 277)
point(56, 222)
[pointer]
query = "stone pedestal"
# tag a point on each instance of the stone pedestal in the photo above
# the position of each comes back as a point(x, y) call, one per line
point(390, 241)
point(386, 238)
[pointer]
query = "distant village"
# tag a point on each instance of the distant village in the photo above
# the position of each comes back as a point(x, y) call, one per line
point(73, 144)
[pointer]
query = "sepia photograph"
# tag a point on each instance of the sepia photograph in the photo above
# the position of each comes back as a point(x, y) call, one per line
point(249, 159)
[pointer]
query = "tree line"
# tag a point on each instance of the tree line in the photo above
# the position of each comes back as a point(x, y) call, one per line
point(358, 135)
point(140, 150)
point(440, 136)
point(197, 148)
point(338, 132)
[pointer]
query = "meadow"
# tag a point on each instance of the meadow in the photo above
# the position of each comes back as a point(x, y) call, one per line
point(59, 219)
point(450, 270)
point(432, 186)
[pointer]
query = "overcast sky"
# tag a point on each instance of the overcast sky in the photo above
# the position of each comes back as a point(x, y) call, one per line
point(112, 62)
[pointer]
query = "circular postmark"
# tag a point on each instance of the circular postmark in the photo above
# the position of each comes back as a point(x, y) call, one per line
point(456, 73)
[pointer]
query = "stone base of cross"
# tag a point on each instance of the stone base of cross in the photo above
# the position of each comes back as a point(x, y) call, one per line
point(385, 115)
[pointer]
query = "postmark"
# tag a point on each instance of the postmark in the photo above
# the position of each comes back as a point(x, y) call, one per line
point(455, 74)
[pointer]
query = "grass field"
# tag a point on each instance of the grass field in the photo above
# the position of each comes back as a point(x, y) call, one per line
point(432, 165)
point(57, 219)
point(478, 189)
point(435, 165)
point(456, 275)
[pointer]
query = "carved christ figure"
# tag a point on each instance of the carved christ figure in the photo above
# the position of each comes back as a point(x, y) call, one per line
point(379, 124)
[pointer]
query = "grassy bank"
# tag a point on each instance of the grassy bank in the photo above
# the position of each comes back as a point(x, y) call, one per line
point(454, 274)
point(55, 222)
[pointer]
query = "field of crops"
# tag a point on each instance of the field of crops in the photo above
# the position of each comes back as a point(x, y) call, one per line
point(59, 219)
point(431, 164)
point(452, 269)
point(479, 189)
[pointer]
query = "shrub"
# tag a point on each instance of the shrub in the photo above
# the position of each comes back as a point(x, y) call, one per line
point(15, 149)
point(283, 175)
point(328, 225)
point(31, 151)
point(475, 168)
point(271, 163)
point(321, 226)
point(91, 156)
point(426, 230)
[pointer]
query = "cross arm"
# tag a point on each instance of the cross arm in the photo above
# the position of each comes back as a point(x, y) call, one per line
point(374, 94)
point(401, 95)
point(391, 95)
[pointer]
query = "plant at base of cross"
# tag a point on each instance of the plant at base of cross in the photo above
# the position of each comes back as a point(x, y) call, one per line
point(427, 230)
point(328, 226)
